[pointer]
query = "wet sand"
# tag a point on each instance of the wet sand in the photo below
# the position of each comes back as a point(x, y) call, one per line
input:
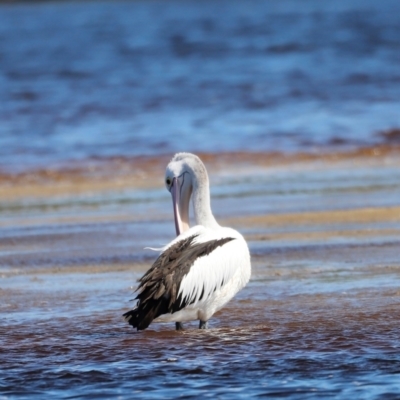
point(99, 175)
point(319, 318)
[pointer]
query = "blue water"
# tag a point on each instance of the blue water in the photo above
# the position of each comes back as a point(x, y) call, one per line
point(92, 80)
point(319, 318)
point(97, 79)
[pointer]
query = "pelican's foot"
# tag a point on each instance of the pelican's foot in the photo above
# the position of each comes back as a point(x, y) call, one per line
point(179, 326)
point(203, 325)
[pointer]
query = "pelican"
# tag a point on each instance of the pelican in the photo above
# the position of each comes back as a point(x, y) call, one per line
point(199, 271)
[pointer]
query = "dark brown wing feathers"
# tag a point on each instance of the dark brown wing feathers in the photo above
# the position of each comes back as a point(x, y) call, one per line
point(159, 287)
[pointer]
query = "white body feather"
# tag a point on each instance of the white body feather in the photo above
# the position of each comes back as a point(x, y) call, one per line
point(221, 274)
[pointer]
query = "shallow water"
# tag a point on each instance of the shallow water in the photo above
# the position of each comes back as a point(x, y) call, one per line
point(319, 318)
point(297, 345)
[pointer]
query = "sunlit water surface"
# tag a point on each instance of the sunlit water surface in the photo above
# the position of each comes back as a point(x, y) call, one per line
point(100, 79)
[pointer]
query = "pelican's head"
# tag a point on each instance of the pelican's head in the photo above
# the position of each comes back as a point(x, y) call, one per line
point(183, 175)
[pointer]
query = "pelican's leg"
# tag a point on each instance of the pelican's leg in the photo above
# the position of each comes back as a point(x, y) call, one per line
point(179, 326)
point(203, 324)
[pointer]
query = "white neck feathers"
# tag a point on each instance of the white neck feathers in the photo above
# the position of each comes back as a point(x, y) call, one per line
point(201, 200)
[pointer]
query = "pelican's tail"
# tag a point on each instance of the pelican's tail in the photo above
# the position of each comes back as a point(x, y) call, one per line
point(132, 318)
point(138, 319)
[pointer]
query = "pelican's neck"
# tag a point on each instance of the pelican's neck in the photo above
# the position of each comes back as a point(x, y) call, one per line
point(202, 204)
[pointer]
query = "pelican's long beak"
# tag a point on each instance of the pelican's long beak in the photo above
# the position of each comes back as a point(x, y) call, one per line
point(180, 201)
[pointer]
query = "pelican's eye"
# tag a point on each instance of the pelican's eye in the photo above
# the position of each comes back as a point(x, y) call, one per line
point(168, 181)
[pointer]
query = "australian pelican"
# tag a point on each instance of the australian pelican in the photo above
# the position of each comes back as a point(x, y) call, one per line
point(202, 268)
